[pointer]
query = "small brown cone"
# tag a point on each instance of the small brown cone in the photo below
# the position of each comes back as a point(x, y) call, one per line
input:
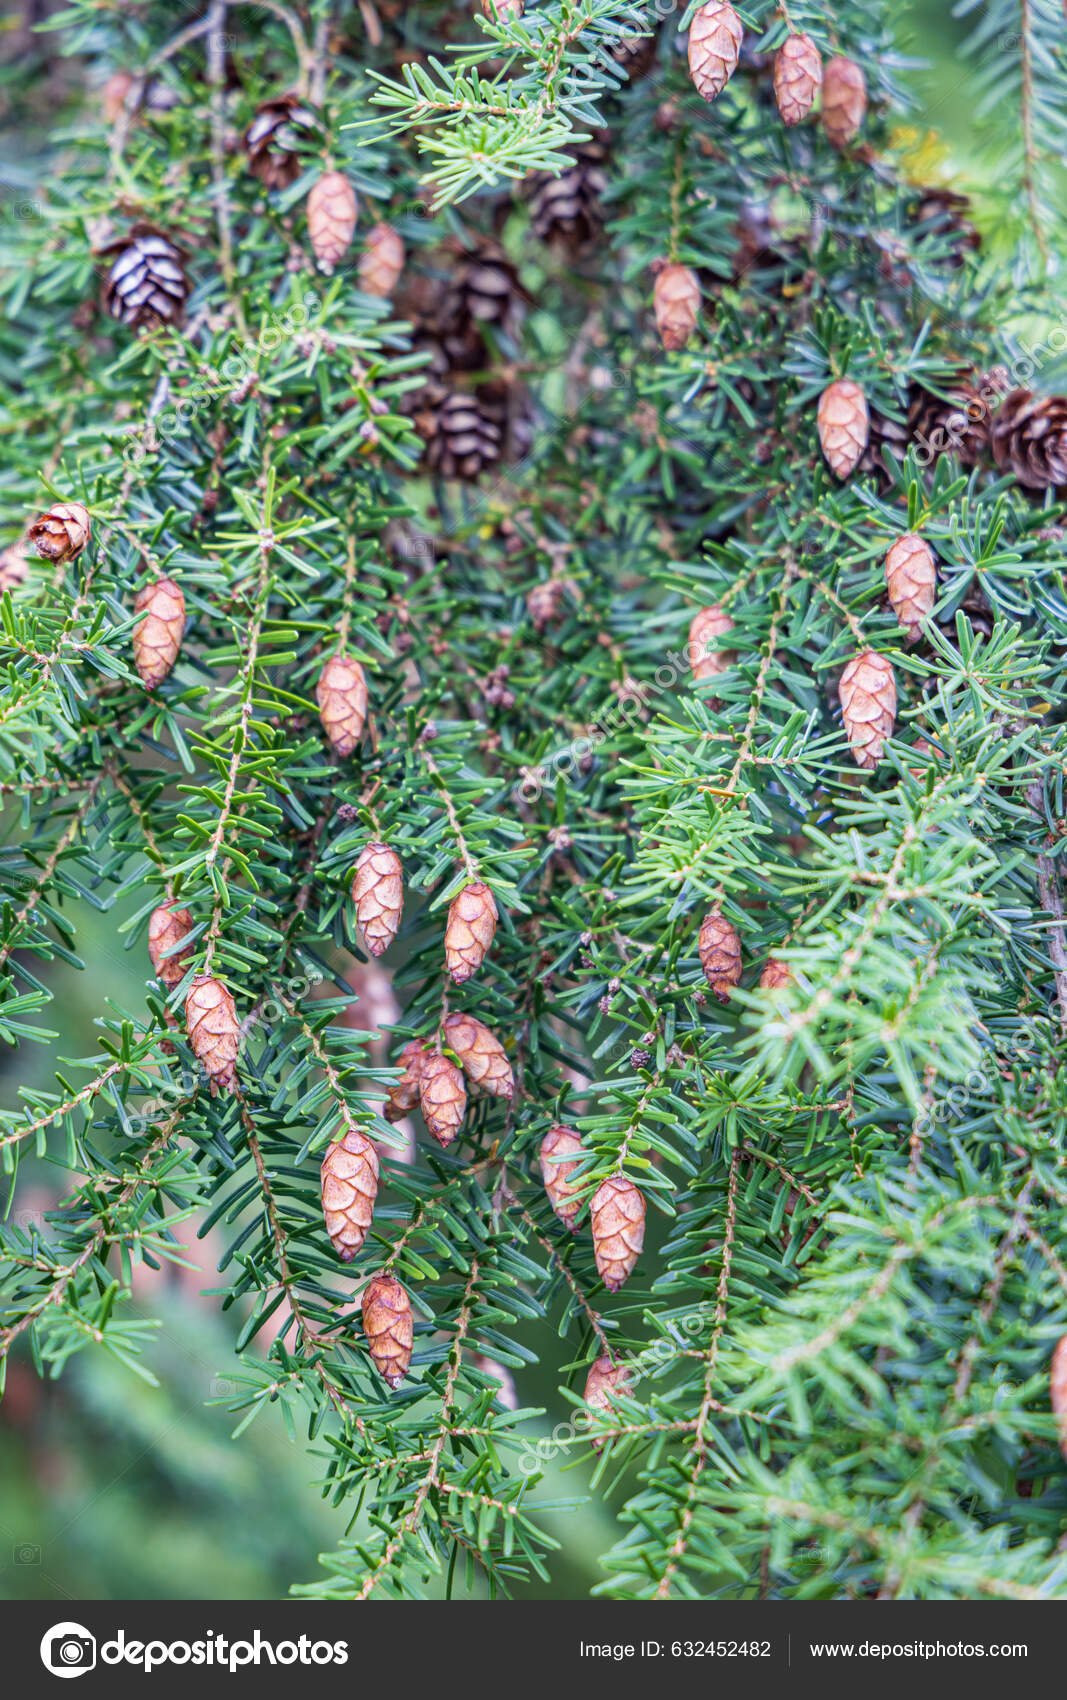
point(714, 47)
point(388, 1327)
point(381, 261)
point(844, 100)
point(213, 1028)
point(481, 1053)
point(167, 926)
point(349, 1187)
point(844, 425)
point(775, 975)
point(545, 601)
point(403, 1095)
point(341, 694)
point(1058, 1390)
point(720, 954)
point(706, 625)
point(157, 637)
point(472, 918)
point(1028, 436)
point(797, 77)
point(442, 1097)
point(676, 299)
point(332, 211)
point(617, 1213)
point(566, 1200)
point(378, 894)
point(911, 580)
point(868, 694)
point(62, 532)
point(604, 1379)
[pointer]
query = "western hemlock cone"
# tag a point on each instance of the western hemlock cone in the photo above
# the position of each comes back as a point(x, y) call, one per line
point(714, 46)
point(341, 694)
point(483, 1057)
point(707, 625)
point(213, 1029)
point(332, 209)
point(167, 927)
point(378, 894)
point(403, 1095)
point(472, 918)
point(61, 533)
point(911, 580)
point(464, 432)
point(157, 637)
point(381, 262)
point(676, 299)
point(1029, 438)
point(147, 285)
point(844, 100)
point(959, 426)
point(719, 948)
point(387, 1323)
point(617, 1217)
point(483, 287)
point(567, 211)
point(544, 602)
point(868, 694)
point(605, 1378)
point(442, 1097)
point(843, 425)
point(349, 1180)
point(942, 214)
point(1058, 1390)
point(273, 138)
point(797, 77)
point(561, 1152)
point(775, 975)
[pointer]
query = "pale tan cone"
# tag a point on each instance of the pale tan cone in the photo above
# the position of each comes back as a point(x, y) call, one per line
point(706, 625)
point(775, 975)
point(442, 1097)
point(566, 1200)
point(868, 694)
point(844, 100)
point(381, 261)
point(62, 532)
point(911, 580)
point(349, 1177)
point(844, 425)
point(720, 954)
point(797, 77)
point(341, 694)
point(604, 1379)
point(403, 1095)
point(157, 637)
point(714, 47)
point(481, 1053)
point(1058, 1390)
point(378, 894)
point(617, 1215)
point(388, 1326)
point(167, 926)
point(332, 209)
point(213, 1028)
point(676, 300)
point(472, 918)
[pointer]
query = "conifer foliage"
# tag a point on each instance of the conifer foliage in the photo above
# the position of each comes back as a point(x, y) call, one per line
point(541, 503)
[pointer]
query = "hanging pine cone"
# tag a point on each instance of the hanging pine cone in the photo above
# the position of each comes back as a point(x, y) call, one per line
point(442, 1097)
point(62, 532)
point(911, 580)
point(705, 657)
point(464, 432)
point(868, 694)
point(567, 211)
point(381, 262)
point(843, 425)
point(676, 299)
point(157, 637)
point(561, 1152)
point(273, 138)
point(941, 215)
point(388, 1326)
point(483, 288)
point(775, 975)
point(341, 694)
point(213, 1029)
point(332, 209)
point(720, 954)
point(403, 1095)
point(147, 285)
point(349, 1180)
point(844, 100)
point(1058, 1390)
point(167, 927)
point(604, 1379)
point(472, 918)
point(714, 46)
point(797, 77)
point(481, 1053)
point(617, 1215)
point(1029, 438)
point(959, 426)
point(378, 894)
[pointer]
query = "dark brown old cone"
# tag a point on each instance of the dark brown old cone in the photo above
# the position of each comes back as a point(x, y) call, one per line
point(844, 100)
point(843, 423)
point(273, 138)
point(213, 1029)
point(868, 696)
point(561, 1151)
point(157, 637)
point(705, 657)
point(481, 1053)
point(958, 426)
point(381, 262)
point(775, 975)
point(604, 1379)
point(483, 288)
point(676, 299)
point(567, 211)
point(332, 211)
point(378, 894)
point(349, 1187)
point(464, 431)
point(442, 1097)
point(617, 1216)
point(472, 918)
point(147, 285)
point(941, 215)
point(388, 1326)
point(341, 694)
point(720, 954)
point(797, 77)
point(911, 580)
point(1058, 1390)
point(403, 1095)
point(167, 927)
point(62, 532)
point(714, 46)
point(1029, 438)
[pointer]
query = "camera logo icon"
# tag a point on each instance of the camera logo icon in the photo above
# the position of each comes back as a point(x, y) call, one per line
point(68, 1649)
